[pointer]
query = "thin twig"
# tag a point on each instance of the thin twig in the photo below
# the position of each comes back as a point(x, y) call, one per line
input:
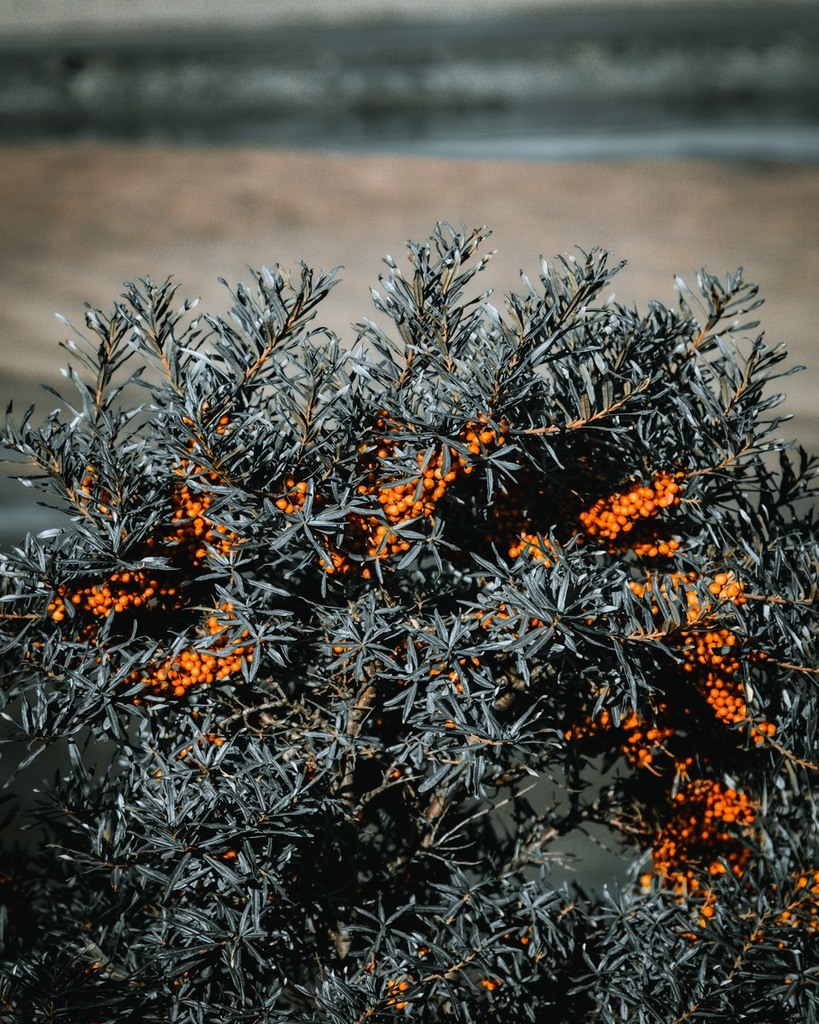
point(599, 415)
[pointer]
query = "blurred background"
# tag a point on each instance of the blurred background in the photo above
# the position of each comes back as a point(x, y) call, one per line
point(191, 139)
point(553, 79)
point(141, 138)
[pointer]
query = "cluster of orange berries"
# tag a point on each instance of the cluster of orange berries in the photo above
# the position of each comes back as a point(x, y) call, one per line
point(479, 436)
point(293, 500)
point(500, 616)
point(589, 726)
point(402, 501)
point(87, 487)
point(395, 987)
point(454, 676)
point(395, 991)
point(612, 517)
point(537, 548)
point(611, 520)
point(121, 592)
point(801, 912)
point(804, 910)
point(186, 754)
point(515, 509)
point(367, 537)
point(192, 667)
point(222, 423)
point(701, 833)
point(191, 529)
point(711, 655)
point(186, 541)
point(724, 587)
point(711, 649)
point(726, 699)
point(640, 740)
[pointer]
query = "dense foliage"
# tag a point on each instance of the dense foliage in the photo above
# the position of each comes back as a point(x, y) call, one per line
point(369, 632)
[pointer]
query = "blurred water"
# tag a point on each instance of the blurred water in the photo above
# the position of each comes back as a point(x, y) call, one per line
point(544, 76)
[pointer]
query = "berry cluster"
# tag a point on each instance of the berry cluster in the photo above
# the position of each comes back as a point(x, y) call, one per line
point(697, 830)
point(724, 588)
point(402, 501)
point(613, 518)
point(701, 834)
point(500, 617)
point(711, 656)
point(294, 498)
point(191, 531)
point(90, 486)
point(454, 675)
point(620, 521)
point(191, 667)
point(518, 508)
point(639, 739)
point(121, 592)
point(395, 991)
point(186, 542)
point(725, 697)
point(537, 548)
point(803, 911)
point(643, 739)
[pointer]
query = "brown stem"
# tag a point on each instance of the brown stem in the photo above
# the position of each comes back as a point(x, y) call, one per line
point(365, 699)
point(586, 420)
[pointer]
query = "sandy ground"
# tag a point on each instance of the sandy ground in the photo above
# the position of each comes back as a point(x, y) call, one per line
point(80, 219)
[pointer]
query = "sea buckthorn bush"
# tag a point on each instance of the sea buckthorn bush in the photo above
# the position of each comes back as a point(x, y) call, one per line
point(341, 646)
